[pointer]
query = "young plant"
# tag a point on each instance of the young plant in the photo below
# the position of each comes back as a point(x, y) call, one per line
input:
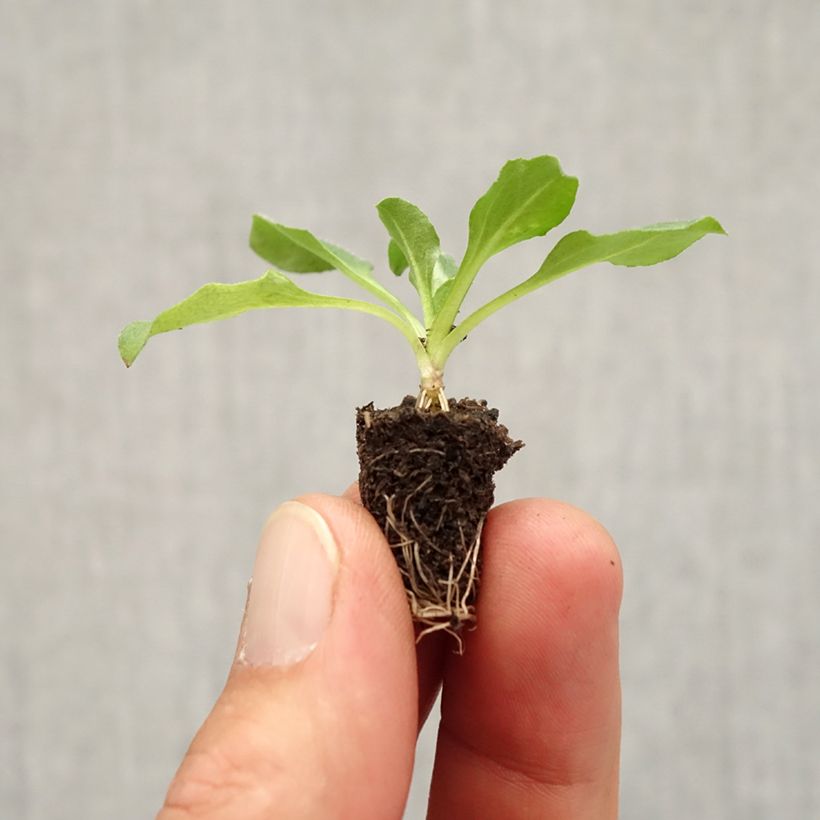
point(432, 520)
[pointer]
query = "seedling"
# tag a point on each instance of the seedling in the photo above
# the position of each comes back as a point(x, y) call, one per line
point(427, 465)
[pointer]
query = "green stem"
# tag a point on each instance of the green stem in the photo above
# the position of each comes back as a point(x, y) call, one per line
point(427, 309)
point(452, 304)
point(400, 323)
point(392, 301)
point(442, 350)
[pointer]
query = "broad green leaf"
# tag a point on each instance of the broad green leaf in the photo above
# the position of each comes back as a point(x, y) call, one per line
point(223, 301)
point(299, 251)
point(640, 246)
point(412, 234)
point(444, 273)
point(395, 258)
point(529, 198)
point(418, 242)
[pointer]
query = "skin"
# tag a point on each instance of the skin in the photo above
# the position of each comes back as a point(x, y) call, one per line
point(530, 723)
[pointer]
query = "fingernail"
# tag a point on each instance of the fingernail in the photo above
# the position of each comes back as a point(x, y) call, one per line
point(291, 594)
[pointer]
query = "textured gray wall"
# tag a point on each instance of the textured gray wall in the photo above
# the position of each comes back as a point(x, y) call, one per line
point(681, 406)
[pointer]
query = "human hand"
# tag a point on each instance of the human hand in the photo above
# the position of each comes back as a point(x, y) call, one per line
point(321, 709)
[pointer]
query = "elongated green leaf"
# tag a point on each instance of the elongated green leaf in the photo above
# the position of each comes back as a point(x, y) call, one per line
point(444, 272)
point(417, 239)
point(441, 281)
point(299, 251)
point(278, 245)
point(529, 198)
point(640, 246)
point(395, 258)
point(223, 301)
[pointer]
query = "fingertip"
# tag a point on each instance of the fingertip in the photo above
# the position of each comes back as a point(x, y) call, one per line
point(370, 577)
point(560, 543)
point(534, 702)
point(329, 729)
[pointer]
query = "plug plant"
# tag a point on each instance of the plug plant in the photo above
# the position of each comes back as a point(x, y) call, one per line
point(427, 465)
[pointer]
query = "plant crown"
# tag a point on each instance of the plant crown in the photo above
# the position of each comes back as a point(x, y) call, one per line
point(528, 199)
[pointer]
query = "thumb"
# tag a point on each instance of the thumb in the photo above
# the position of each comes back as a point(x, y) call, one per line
point(318, 716)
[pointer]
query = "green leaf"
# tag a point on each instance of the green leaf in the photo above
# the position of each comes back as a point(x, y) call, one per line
point(640, 246)
point(285, 247)
point(223, 301)
point(299, 251)
point(416, 238)
point(412, 234)
point(132, 340)
point(444, 273)
point(529, 198)
point(395, 258)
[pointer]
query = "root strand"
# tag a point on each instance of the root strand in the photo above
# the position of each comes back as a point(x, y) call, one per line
point(440, 605)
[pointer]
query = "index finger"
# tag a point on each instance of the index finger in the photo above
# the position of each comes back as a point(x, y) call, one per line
point(531, 711)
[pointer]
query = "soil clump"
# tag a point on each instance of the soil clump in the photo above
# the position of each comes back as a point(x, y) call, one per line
point(427, 479)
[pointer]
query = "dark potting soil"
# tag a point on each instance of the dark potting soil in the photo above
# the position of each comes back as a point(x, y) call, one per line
point(427, 479)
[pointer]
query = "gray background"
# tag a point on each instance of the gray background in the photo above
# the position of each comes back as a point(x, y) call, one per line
point(679, 405)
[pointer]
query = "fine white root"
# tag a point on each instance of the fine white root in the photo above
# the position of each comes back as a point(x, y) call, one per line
point(442, 400)
point(438, 604)
point(431, 392)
